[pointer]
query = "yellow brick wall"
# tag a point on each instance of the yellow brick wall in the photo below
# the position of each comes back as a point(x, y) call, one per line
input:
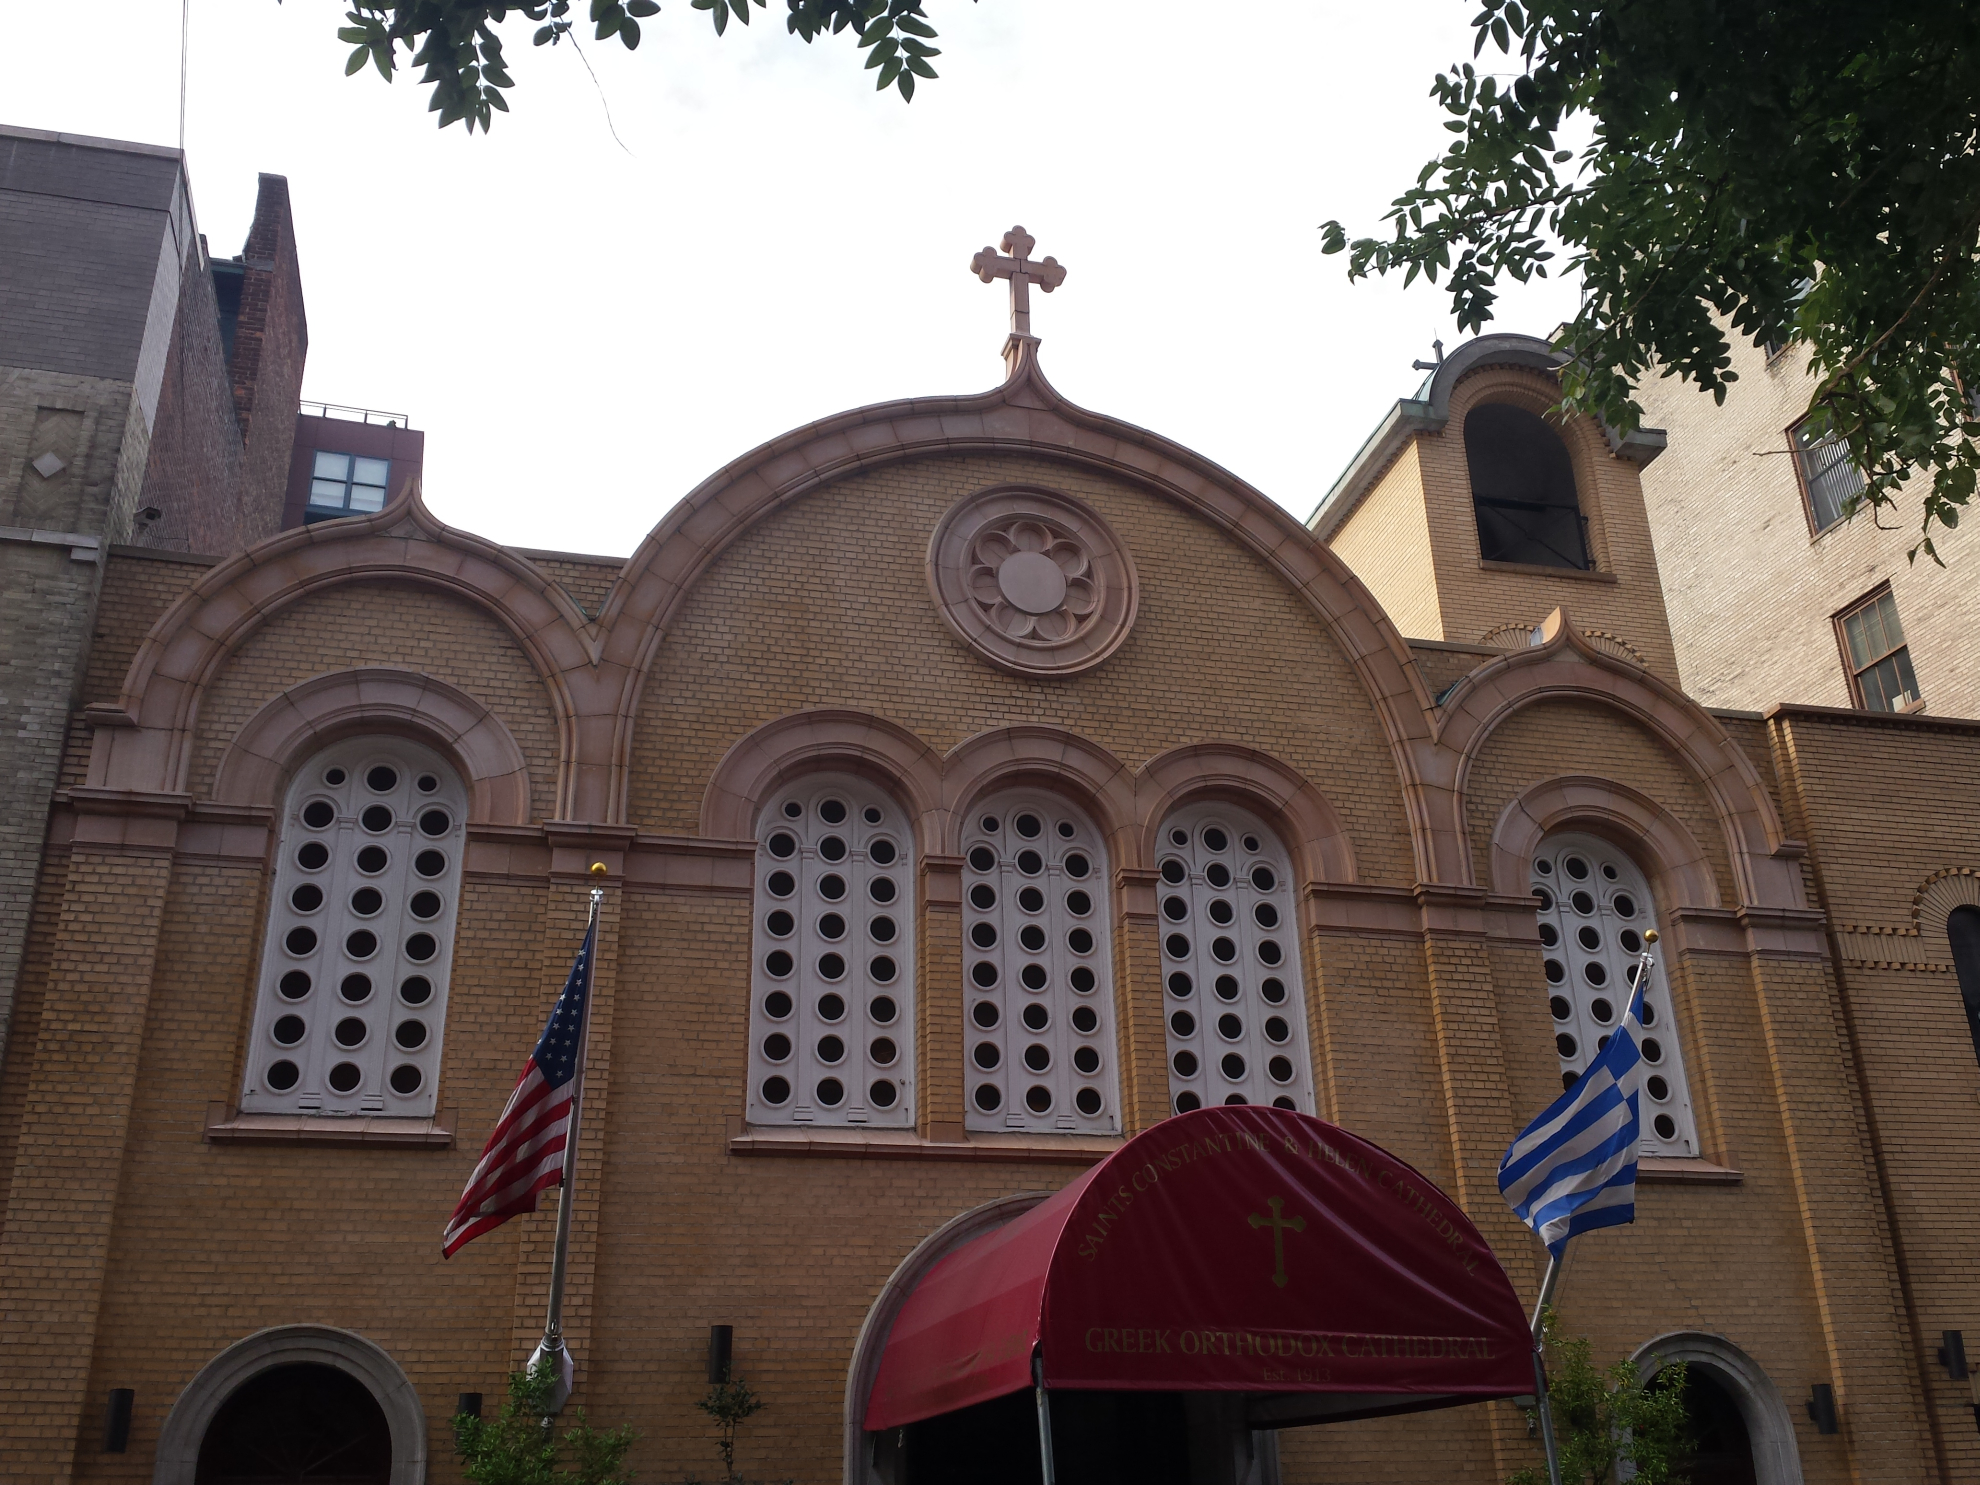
point(1386, 540)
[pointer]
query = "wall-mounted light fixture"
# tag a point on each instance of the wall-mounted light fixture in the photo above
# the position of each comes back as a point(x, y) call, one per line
point(467, 1404)
point(1821, 1407)
point(1952, 1356)
point(721, 1349)
point(117, 1420)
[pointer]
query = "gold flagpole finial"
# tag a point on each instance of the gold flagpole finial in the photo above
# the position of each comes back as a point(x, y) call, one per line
point(1649, 934)
point(598, 868)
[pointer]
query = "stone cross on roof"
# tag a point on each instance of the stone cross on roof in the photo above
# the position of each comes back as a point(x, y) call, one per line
point(1022, 273)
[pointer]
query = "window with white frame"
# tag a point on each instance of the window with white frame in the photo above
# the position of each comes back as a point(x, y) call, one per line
point(1037, 969)
point(1595, 907)
point(831, 1028)
point(1230, 961)
point(353, 991)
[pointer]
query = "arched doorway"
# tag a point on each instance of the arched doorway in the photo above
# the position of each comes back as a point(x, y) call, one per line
point(308, 1404)
point(1740, 1425)
point(302, 1424)
point(1722, 1450)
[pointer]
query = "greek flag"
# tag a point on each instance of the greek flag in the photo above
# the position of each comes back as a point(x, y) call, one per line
point(1573, 1169)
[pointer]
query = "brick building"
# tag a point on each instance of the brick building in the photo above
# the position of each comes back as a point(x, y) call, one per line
point(1775, 594)
point(149, 400)
point(981, 780)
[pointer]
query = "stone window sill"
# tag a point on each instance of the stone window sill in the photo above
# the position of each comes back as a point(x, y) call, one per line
point(227, 1125)
point(903, 1144)
point(1535, 569)
point(1664, 1168)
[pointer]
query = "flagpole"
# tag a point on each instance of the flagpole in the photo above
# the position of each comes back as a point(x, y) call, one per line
point(1645, 962)
point(552, 1346)
point(1542, 1404)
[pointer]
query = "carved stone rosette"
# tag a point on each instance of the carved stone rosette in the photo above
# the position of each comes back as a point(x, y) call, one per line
point(1033, 580)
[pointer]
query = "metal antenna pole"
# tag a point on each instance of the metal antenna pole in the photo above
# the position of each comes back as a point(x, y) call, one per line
point(552, 1345)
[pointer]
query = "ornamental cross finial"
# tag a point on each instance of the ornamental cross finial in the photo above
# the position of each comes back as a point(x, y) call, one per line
point(1022, 273)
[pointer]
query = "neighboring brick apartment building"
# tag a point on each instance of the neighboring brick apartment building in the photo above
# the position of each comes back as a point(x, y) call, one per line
point(148, 403)
point(981, 780)
point(1774, 594)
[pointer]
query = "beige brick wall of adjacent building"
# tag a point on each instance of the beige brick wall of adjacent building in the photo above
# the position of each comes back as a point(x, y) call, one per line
point(1752, 592)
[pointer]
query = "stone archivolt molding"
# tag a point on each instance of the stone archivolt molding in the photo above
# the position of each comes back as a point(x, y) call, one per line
point(1127, 805)
point(342, 703)
point(144, 742)
point(1676, 865)
point(1566, 666)
point(1033, 580)
point(177, 1458)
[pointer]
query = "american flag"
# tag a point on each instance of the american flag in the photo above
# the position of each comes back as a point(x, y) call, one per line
point(525, 1154)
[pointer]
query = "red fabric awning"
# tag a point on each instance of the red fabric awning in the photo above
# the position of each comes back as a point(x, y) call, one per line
point(1230, 1249)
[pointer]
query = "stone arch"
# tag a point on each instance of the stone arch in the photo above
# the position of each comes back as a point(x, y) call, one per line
point(340, 703)
point(282, 1345)
point(861, 1467)
point(1054, 758)
point(1024, 415)
point(1676, 865)
point(1765, 863)
point(1769, 1425)
point(809, 741)
point(1319, 844)
point(1935, 902)
point(144, 742)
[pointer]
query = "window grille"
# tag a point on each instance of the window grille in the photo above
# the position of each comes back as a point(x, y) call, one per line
point(1880, 674)
point(1522, 489)
point(1038, 974)
point(832, 991)
point(353, 990)
point(1594, 909)
point(1829, 475)
point(1230, 961)
point(347, 484)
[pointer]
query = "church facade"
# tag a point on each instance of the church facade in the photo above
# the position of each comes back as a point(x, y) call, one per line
point(980, 781)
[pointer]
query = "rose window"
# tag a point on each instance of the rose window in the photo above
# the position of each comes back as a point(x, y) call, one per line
point(1034, 580)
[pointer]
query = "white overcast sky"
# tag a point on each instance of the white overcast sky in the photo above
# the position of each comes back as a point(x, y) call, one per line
point(585, 333)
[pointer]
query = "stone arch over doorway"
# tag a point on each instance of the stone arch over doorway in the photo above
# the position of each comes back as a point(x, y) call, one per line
point(1769, 1427)
point(862, 1467)
point(287, 1345)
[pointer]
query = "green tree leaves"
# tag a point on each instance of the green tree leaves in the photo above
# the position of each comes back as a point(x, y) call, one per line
point(1802, 172)
point(456, 43)
point(519, 1446)
point(1603, 1419)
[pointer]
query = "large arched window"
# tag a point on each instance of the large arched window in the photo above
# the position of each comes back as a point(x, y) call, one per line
point(1230, 961)
point(832, 992)
point(353, 992)
point(1594, 909)
point(1522, 489)
point(1963, 929)
point(1038, 973)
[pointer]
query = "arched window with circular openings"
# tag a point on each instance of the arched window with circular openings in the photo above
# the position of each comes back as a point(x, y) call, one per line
point(831, 1023)
point(1595, 907)
point(1037, 969)
point(1522, 489)
point(353, 992)
point(1236, 1018)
